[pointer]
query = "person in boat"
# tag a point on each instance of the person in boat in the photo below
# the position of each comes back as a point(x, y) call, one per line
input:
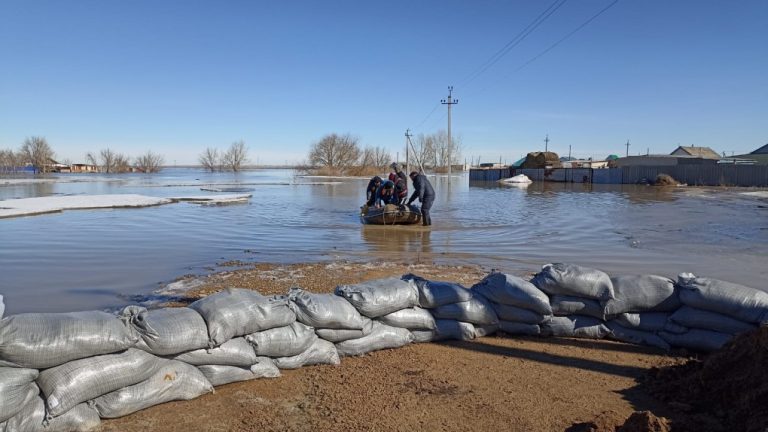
point(370, 191)
point(423, 191)
point(401, 188)
point(385, 194)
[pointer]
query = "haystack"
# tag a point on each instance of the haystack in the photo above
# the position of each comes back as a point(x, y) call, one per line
point(542, 160)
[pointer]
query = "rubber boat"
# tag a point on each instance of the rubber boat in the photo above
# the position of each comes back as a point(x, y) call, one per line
point(390, 214)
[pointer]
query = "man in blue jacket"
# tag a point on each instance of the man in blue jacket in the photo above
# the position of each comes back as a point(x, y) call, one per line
point(422, 189)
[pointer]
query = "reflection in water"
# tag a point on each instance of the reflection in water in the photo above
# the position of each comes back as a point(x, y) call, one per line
point(407, 241)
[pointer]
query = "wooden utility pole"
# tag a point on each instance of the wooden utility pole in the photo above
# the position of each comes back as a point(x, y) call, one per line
point(449, 102)
point(546, 143)
point(627, 144)
point(407, 151)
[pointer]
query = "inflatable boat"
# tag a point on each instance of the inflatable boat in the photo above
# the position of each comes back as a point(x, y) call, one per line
point(390, 214)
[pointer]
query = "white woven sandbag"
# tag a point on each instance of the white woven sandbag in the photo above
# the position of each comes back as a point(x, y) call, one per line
point(638, 337)
point(237, 312)
point(437, 293)
point(511, 290)
point(379, 297)
point(221, 374)
point(697, 318)
point(414, 318)
point(423, 336)
point(16, 384)
point(454, 330)
point(234, 352)
point(646, 321)
point(324, 310)
point(382, 337)
point(69, 384)
point(518, 314)
point(320, 352)
point(32, 418)
point(173, 380)
point(642, 293)
point(167, 331)
point(477, 311)
point(573, 280)
point(738, 301)
point(697, 339)
point(486, 330)
point(569, 305)
point(340, 335)
point(43, 340)
point(519, 328)
point(575, 326)
point(282, 341)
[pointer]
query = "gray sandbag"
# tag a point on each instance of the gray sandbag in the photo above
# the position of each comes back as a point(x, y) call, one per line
point(320, 352)
point(519, 328)
point(642, 293)
point(324, 310)
point(340, 335)
point(738, 301)
point(518, 314)
point(69, 384)
point(476, 310)
point(454, 330)
point(697, 339)
point(563, 305)
point(697, 318)
point(437, 293)
point(414, 318)
point(675, 328)
point(237, 312)
point(32, 418)
point(2, 307)
point(382, 337)
point(646, 321)
point(234, 352)
point(167, 331)
point(573, 280)
point(634, 336)
point(486, 330)
point(575, 326)
point(505, 289)
point(16, 384)
point(282, 341)
point(221, 374)
point(379, 297)
point(43, 340)
point(423, 336)
point(173, 380)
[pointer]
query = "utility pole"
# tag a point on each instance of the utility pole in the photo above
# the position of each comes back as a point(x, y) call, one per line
point(415, 153)
point(546, 143)
point(449, 102)
point(569, 152)
point(627, 144)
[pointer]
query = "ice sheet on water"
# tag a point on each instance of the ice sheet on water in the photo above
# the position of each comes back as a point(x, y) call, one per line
point(52, 204)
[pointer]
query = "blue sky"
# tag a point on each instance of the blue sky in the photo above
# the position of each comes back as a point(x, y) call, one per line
point(177, 77)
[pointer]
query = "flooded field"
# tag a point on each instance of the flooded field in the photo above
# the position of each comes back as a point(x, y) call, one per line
point(86, 259)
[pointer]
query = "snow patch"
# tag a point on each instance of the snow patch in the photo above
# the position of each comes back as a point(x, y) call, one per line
point(214, 199)
point(756, 194)
point(54, 204)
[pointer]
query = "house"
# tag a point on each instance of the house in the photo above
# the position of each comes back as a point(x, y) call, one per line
point(702, 152)
point(760, 156)
point(83, 168)
point(663, 160)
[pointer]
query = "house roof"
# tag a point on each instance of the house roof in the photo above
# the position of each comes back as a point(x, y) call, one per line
point(761, 150)
point(702, 152)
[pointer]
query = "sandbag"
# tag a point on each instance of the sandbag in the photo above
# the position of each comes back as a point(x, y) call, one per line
point(737, 301)
point(453, 330)
point(340, 335)
point(646, 321)
point(673, 327)
point(69, 384)
point(382, 337)
point(2, 307)
point(697, 318)
point(43, 340)
point(167, 331)
point(518, 314)
point(634, 336)
point(563, 305)
point(380, 296)
point(173, 380)
point(486, 330)
point(320, 352)
point(32, 418)
point(221, 374)
point(573, 280)
point(697, 339)
point(437, 293)
point(414, 318)
point(423, 336)
point(642, 293)
point(477, 310)
point(505, 289)
point(237, 312)
point(234, 352)
point(324, 310)
point(519, 328)
point(575, 326)
point(282, 341)
point(16, 384)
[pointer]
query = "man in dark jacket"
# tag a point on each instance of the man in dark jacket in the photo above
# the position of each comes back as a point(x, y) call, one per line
point(370, 191)
point(422, 189)
point(400, 180)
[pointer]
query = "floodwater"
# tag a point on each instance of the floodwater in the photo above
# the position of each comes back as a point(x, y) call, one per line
point(95, 259)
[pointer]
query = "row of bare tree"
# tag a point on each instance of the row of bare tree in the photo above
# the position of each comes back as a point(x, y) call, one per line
point(432, 150)
point(232, 159)
point(34, 151)
point(110, 161)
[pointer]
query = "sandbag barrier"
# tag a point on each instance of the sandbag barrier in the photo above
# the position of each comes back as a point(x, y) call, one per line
point(65, 371)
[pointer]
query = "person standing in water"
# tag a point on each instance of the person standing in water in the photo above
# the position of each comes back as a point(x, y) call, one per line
point(423, 191)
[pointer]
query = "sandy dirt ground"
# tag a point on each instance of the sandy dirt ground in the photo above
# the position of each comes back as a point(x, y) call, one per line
point(494, 383)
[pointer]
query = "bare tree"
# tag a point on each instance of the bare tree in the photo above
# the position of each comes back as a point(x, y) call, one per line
point(149, 162)
point(209, 159)
point(236, 156)
point(335, 152)
point(443, 148)
point(424, 148)
point(375, 157)
point(91, 159)
point(122, 163)
point(10, 161)
point(109, 161)
point(35, 150)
